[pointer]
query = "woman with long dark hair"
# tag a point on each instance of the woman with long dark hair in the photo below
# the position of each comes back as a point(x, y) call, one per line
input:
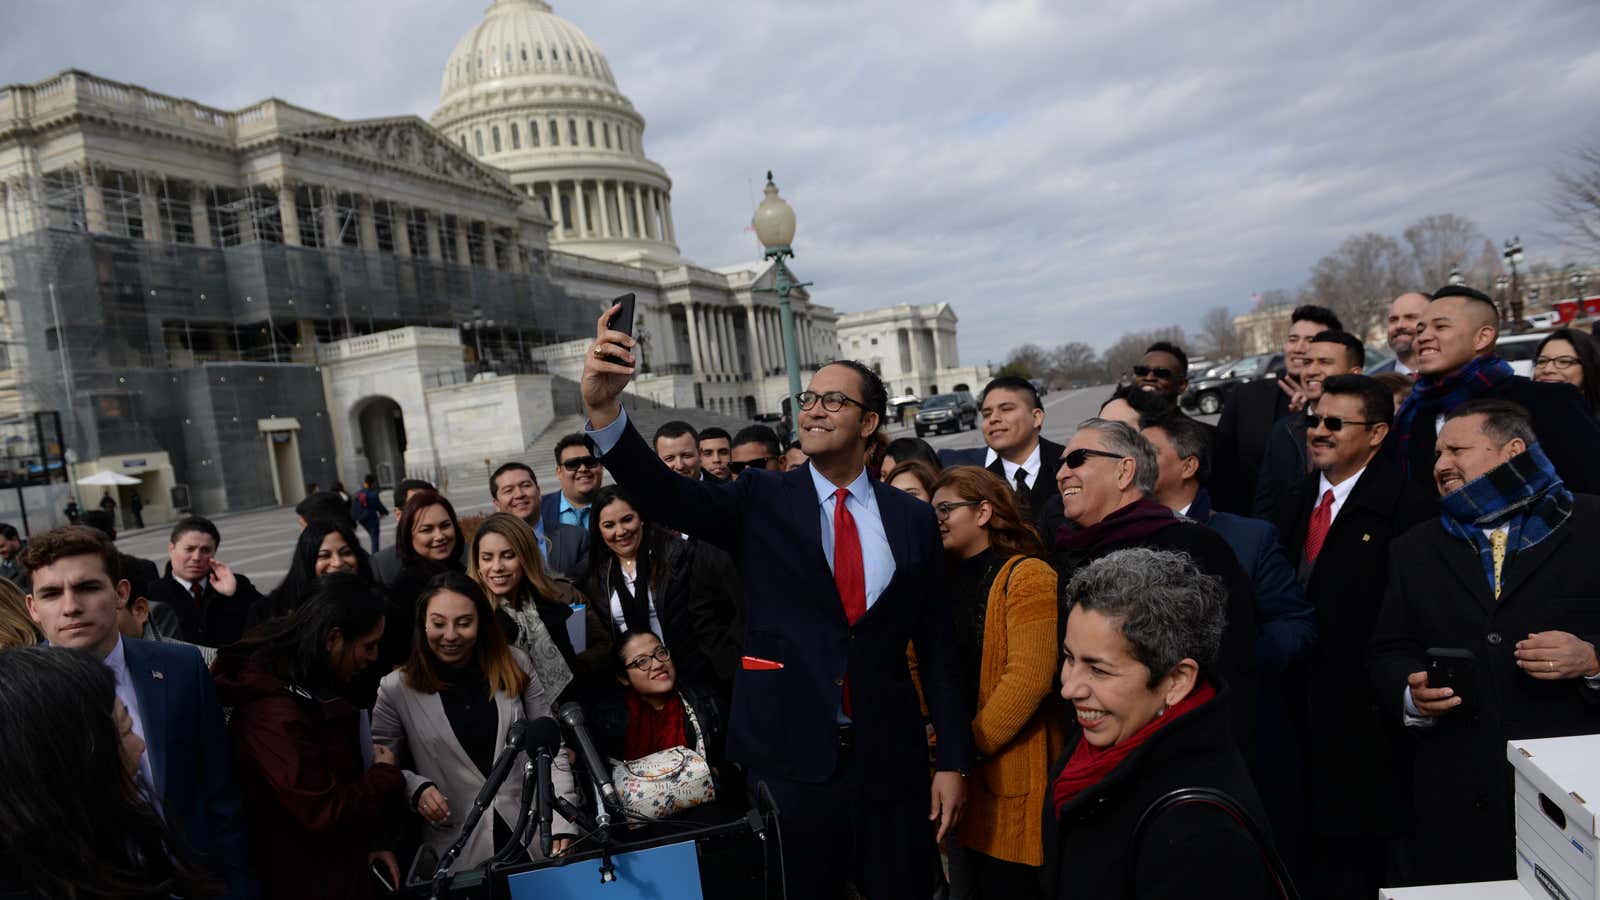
point(322, 548)
point(446, 713)
point(639, 576)
point(318, 812)
point(74, 823)
point(1568, 356)
point(428, 542)
point(532, 605)
point(1003, 600)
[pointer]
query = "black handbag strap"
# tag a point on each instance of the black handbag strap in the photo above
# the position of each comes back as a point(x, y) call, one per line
point(1223, 801)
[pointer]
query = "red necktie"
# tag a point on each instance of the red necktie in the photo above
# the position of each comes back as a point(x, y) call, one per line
point(849, 572)
point(1317, 531)
point(198, 590)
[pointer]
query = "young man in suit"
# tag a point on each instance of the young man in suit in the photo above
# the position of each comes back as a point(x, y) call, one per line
point(211, 600)
point(578, 469)
point(1014, 446)
point(1251, 411)
point(513, 488)
point(1337, 524)
point(185, 770)
point(1286, 462)
point(1456, 363)
point(716, 452)
point(1503, 573)
point(840, 574)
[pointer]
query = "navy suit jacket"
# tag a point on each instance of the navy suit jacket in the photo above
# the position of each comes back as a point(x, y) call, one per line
point(550, 511)
point(190, 757)
point(784, 721)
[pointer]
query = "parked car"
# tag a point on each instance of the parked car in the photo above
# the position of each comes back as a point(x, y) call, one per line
point(947, 412)
point(1209, 393)
point(1040, 386)
point(1519, 350)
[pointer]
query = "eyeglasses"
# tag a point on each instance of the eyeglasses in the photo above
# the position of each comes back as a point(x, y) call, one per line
point(1559, 363)
point(832, 401)
point(1078, 457)
point(943, 510)
point(1332, 423)
point(642, 663)
point(759, 462)
point(1159, 371)
point(581, 462)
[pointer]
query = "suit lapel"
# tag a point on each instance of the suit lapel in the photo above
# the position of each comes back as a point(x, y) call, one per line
point(150, 686)
point(898, 531)
point(432, 709)
point(1521, 566)
point(1461, 558)
point(805, 517)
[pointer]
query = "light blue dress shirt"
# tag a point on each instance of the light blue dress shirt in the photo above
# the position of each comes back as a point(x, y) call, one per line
point(117, 662)
point(571, 515)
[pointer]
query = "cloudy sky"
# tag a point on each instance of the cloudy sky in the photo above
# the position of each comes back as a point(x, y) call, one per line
point(1056, 170)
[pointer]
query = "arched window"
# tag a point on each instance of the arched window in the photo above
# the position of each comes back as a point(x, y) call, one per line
point(516, 138)
point(538, 52)
point(590, 124)
point(555, 134)
point(533, 133)
point(605, 132)
point(524, 52)
point(477, 139)
point(463, 141)
point(569, 59)
point(572, 132)
point(494, 136)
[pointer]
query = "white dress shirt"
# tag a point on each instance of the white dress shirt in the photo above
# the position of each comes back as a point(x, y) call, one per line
point(1341, 492)
point(1029, 465)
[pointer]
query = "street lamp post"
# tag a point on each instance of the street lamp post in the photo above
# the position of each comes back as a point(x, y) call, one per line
point(1456, 277)
point(1579, 279)
point(774, 225)
point(1513, 255)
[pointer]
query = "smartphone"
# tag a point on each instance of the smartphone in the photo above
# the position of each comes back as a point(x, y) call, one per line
point(623, 319)
point(1454, 668)
point(381, 872)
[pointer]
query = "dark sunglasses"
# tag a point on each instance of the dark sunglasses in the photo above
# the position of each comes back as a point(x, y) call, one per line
point(1159, 371)
point(832, 401)
point(581, 462)
point(1332, 423)
point(1078, 457)
point(759, 462)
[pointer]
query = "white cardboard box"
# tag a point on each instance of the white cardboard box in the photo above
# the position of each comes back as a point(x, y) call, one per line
point(1557, 793)
point(1482, 890)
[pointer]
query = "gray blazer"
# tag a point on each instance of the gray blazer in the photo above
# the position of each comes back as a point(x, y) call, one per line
point(415, 726)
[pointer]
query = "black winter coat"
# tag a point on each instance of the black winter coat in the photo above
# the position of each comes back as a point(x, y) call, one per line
point(1439, 596)
point(1190, 851)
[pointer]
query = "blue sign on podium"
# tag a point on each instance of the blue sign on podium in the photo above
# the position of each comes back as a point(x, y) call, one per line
point(669, 872)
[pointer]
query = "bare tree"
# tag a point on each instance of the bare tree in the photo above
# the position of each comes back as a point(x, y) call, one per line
point(1275, 298)
point(1074, 361)
point(1027, 361)
point(1120, 358)
point(1218, 338)
point(1358, 280)
point(1441, 244)
point(1576, 203)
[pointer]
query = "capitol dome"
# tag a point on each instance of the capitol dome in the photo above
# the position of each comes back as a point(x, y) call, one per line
point(528, 92)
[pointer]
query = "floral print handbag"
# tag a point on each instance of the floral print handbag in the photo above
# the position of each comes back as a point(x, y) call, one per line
point(667, 781)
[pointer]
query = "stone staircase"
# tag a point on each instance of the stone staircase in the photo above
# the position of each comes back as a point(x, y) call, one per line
point(469, 485)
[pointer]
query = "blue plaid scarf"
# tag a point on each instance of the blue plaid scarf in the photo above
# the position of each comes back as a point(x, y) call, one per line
point(1432, 395)
point(1524, 494)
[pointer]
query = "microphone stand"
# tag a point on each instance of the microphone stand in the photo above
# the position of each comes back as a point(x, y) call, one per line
point(602, 828)
point(497, 777)
point(519, 833)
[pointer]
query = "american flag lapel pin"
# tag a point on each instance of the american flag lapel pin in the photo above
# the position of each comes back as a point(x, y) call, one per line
point(158, 674)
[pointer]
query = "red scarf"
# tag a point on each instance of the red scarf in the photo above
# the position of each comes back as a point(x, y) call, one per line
point(651, 730)
point(1089, 764)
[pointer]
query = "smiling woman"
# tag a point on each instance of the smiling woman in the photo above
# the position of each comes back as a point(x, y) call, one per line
point(429, 541)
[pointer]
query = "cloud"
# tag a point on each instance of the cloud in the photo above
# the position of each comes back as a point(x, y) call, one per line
point(1057, 171)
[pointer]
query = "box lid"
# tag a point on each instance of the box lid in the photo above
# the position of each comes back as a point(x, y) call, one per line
point(1565, 770)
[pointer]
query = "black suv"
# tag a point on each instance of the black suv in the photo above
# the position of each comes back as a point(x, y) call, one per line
point(942, 412)
point(1210, 391)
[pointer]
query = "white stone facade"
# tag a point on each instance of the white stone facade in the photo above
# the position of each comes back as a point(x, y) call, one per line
point(913, 348)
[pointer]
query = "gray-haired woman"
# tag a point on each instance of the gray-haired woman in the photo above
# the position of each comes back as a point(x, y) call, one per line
point(1150, 718)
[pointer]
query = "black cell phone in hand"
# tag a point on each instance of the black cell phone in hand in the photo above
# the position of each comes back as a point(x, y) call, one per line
point(1454, 668)
point(622, 320)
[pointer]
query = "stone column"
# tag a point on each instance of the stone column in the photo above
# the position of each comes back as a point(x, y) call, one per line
point(666, 216)
point(696, 360)
point(624, 227)
point(330, 219)
point(580, 210)
point(491, 259)
point(638, 210)
point(150, 207)
point(401, 227)
point(555, 208)
point(729, 338)
point(430, 221)
point(94, 201)
point(289, 213)
point(758, 354)
point(714, 333)
point(369, 224)
point(199, 215)
point(463, 246)
point(605, 208)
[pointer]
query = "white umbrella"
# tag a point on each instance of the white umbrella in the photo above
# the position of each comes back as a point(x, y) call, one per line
point(107, 479)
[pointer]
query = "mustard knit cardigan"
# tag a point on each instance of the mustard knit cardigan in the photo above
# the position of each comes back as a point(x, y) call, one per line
point(1018, 728)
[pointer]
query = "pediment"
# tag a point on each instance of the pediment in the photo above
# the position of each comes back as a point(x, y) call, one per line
point(407, 143)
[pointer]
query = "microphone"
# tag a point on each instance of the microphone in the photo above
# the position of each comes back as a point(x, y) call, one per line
point(571, 716)
point(544, 737)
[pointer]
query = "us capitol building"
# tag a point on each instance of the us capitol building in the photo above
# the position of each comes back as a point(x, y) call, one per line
point(228, 304)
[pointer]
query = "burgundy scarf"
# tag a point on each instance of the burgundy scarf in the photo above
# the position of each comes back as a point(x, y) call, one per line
point(1089, 764)
point(652, 730)
point(1138, 519)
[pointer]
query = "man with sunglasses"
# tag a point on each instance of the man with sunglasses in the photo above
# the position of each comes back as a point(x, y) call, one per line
point(578, 470)
point(754, 447)
point(1336, 525)
point(1329, 354)
point(840, 573)
point(1164, 369)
